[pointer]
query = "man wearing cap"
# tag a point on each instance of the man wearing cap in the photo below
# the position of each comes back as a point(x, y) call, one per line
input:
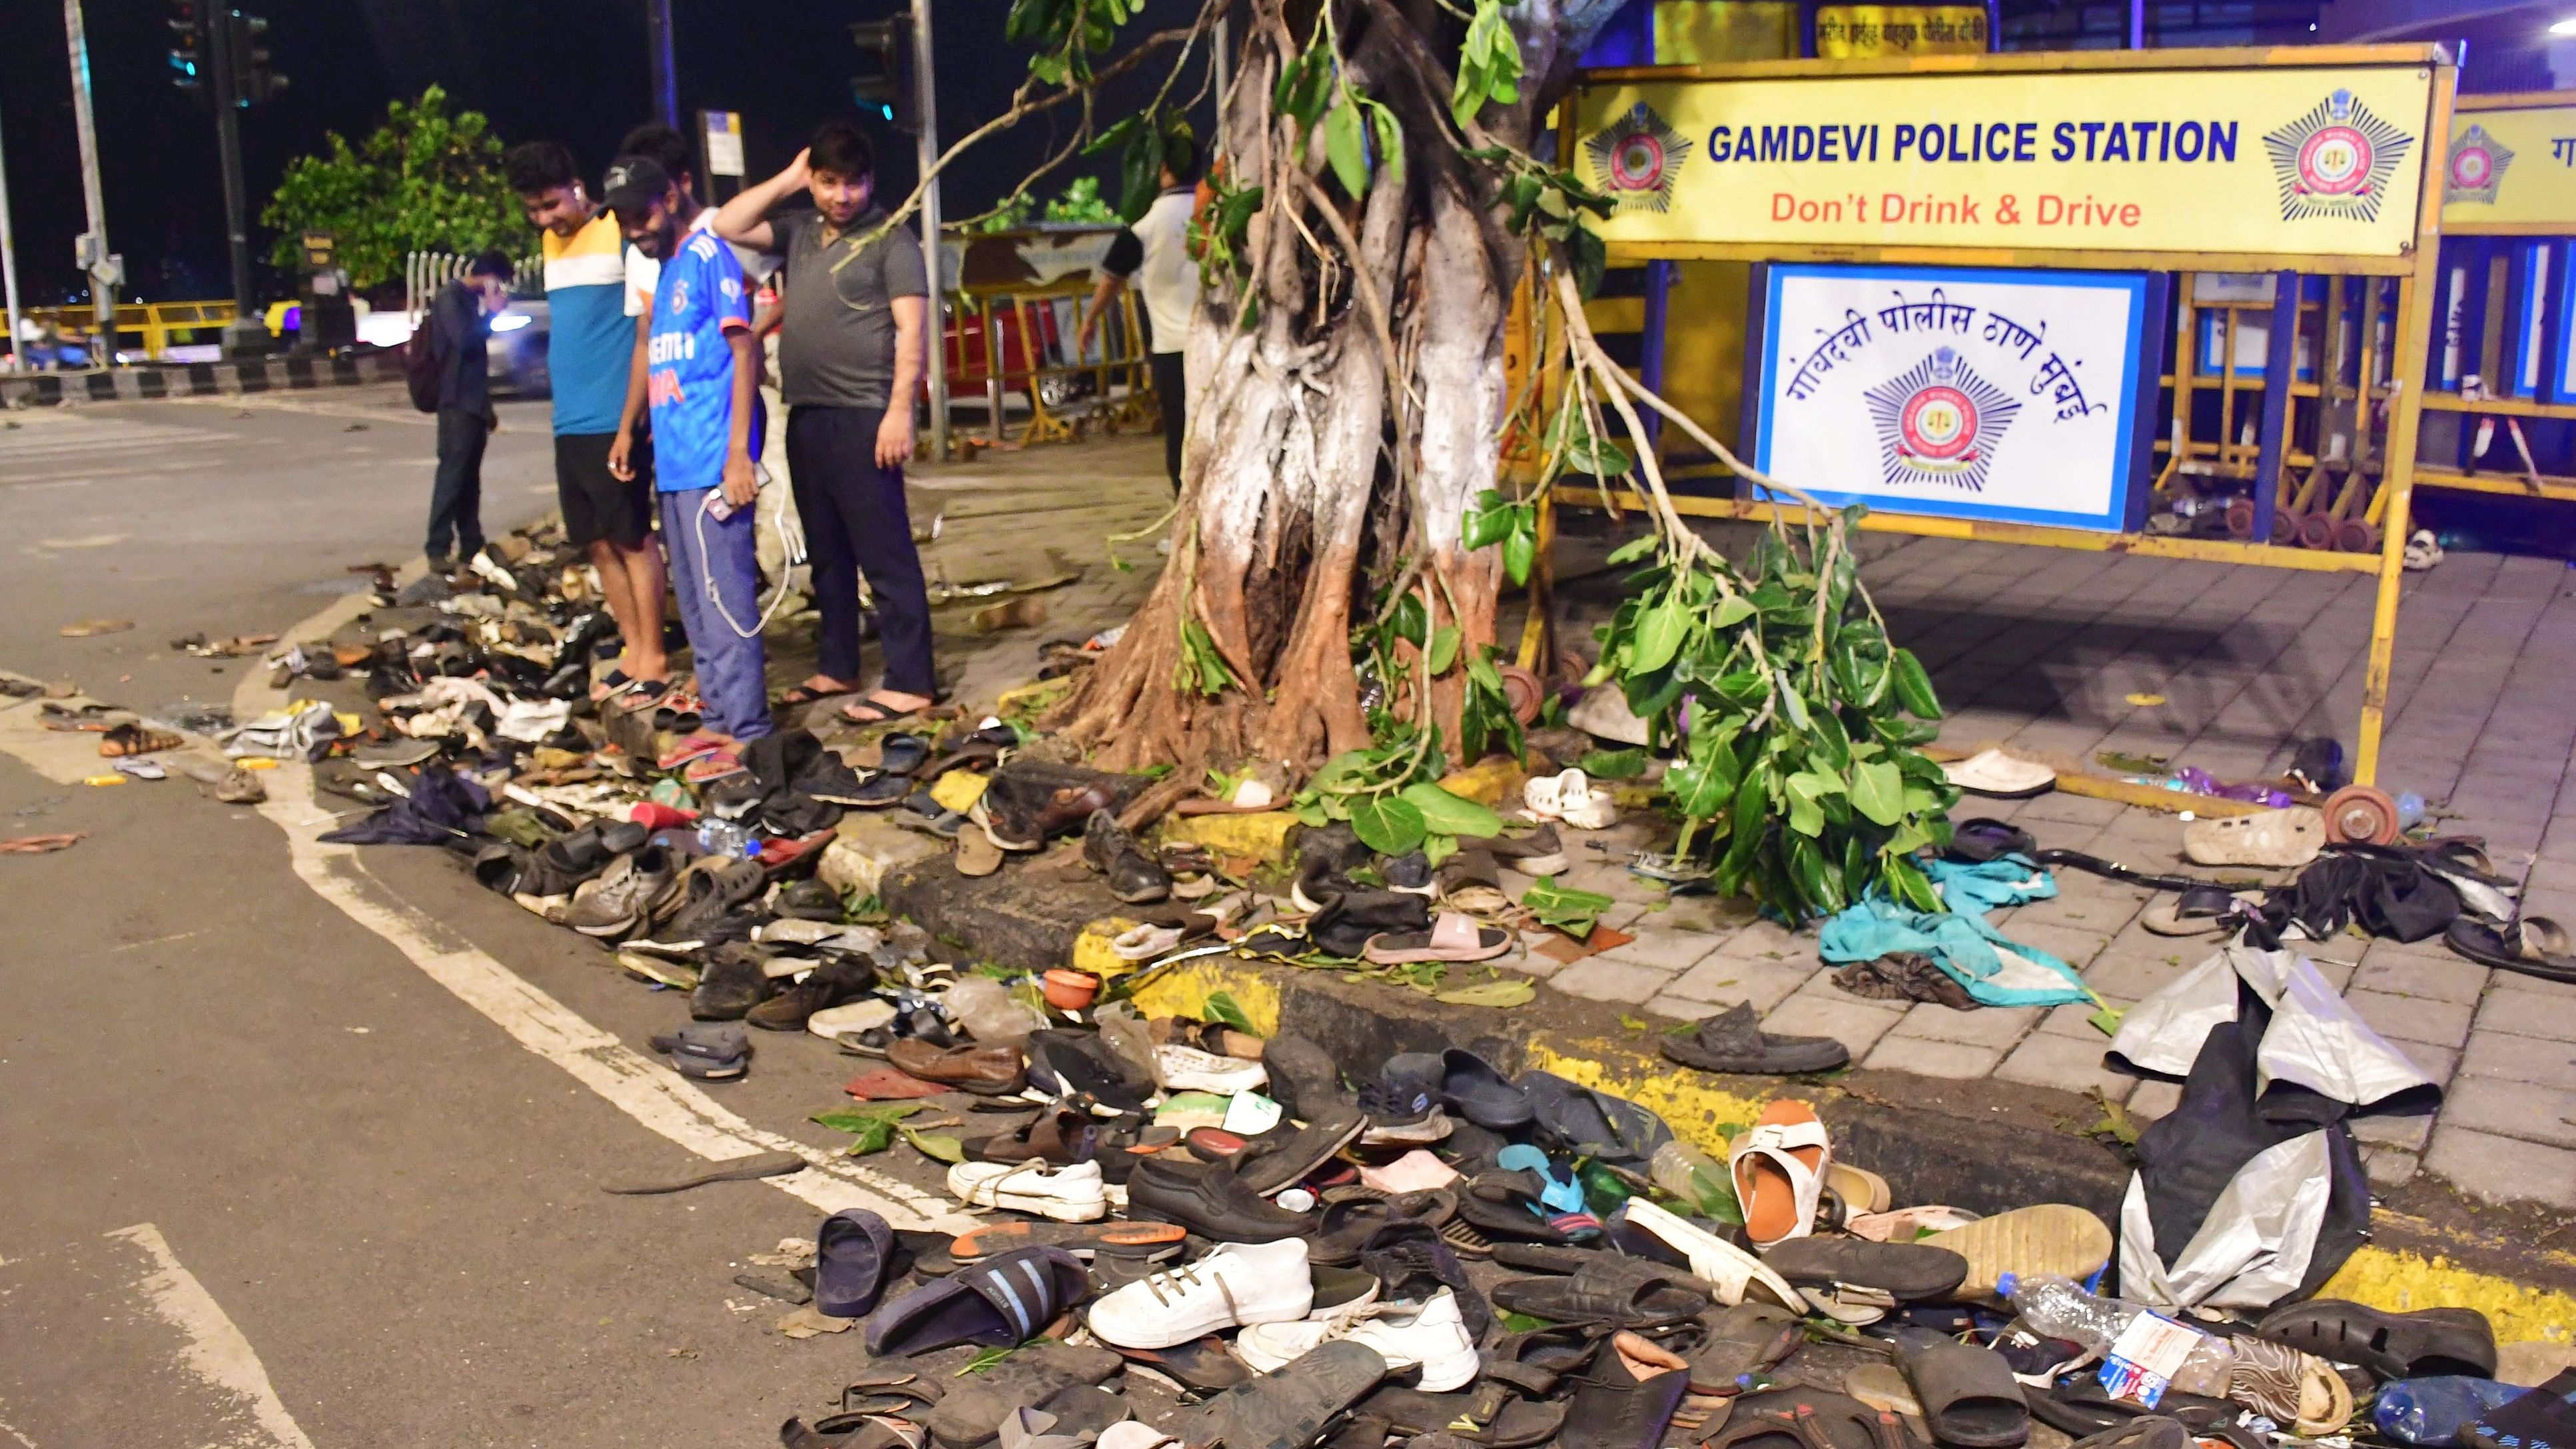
point(695, 369)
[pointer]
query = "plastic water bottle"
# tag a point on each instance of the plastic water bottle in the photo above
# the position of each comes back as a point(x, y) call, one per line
point(2060, 1308)
point(727, 838)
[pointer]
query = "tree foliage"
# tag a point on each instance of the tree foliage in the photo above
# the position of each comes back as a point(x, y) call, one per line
point(425, 180)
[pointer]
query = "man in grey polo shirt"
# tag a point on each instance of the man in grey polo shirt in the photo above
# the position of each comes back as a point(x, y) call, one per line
point(850, 355)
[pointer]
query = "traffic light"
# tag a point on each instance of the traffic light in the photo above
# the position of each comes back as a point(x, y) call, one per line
point(887, 88)
point(253, 81)
point(188, 47)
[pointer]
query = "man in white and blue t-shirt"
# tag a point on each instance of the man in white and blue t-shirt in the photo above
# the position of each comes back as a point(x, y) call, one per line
point(699, 372)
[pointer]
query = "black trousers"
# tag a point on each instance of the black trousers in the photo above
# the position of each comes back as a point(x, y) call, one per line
point(856, 522)
point(456, 498)
point(1172, 391)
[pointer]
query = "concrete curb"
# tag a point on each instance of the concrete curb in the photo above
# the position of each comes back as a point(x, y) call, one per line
point(197, 379)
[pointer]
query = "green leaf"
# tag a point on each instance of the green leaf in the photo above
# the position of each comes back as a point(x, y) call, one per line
point(1732, 610)
point(1744, 823)
point(1520, 551)
point(1659, 635)
point(1626, 764)
point(1346, 146)
point(1410, 622)
point(1878, 792)
point(1830, 741)
point(1117, 135)
point(1805, 816)
point(937, 1145)
point(1635, 548)
point(1437, 847)
point(1793, 705)
point(1388, 825)
point(1390, 141)
point(1913, 686)
point(1444, 648)
point(1568, 910)
point(1508, 991)
point(1450, 814)
point(1907, 884)
point(1221, 1007)
point(1489, 522)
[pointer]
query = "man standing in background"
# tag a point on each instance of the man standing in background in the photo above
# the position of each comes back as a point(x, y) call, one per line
point(850, 354)
point(698, 370)
point(460, 337)
point(1154, 254)
point(591, 352)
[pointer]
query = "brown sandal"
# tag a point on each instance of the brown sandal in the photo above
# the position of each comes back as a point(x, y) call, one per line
point(137, 738)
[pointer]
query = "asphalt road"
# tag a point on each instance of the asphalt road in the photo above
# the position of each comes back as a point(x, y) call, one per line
point(270, 1178)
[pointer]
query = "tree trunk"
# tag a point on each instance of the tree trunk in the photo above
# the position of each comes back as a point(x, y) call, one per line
point(1309, 484)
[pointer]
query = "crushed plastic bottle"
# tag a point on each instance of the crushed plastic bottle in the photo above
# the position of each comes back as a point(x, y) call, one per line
point(983, 1006)
point(2144, 1352)
point(727, 838)
point(1696, 1178)
point(2435, 1410)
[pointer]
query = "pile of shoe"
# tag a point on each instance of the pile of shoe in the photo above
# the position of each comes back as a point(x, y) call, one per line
point(1204, 1237)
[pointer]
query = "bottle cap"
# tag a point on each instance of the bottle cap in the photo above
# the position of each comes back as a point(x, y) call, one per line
point(2004, 1283)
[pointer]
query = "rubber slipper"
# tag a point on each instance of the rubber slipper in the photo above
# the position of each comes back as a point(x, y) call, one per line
point(1599, 1293)
point(708, 768)
point(2049, 1239)
point(1809, 1418)
point(799, 695)
point(902, 754)
point(1861, 1190)
point(2274, 838)
point(2147, 1431)
point(877, 714)
point(1507, 1421)
point(2200, 911)
point(137, 738)
point(1744, 1340)
point(731, 1169)
point(1883, 1387)
point(2427, 1343)
point(1969, 1396)
point(1904, 1224)
point(1118, 1239)
point(2533, 946)
point(1289, 1407)
point(1453, 937)
point(1471, 1086)
point(1778, 1170)
point(1981, 839)
point(999, 1303)
point(708, 1051)
point(1617, 1409)
point(1904, 1271)
point(41, 844)
point(2000, 776)
point(850, 1252)
point(1594, 1123)
point(694, 747)
point(1735, 1275)
point(978, 854)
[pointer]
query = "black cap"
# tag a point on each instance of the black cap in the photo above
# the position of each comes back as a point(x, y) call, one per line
point(632, 185)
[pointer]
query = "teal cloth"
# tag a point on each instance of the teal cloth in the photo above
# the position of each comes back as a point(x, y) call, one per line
point(1958, 940)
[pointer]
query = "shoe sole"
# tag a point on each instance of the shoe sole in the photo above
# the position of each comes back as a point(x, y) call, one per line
point(2051, 1238)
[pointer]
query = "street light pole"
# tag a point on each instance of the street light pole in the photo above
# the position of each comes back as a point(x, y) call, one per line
point(666, 84)
point(925, 92)
point(9, 268)
point(94, 254)
point(242, 332)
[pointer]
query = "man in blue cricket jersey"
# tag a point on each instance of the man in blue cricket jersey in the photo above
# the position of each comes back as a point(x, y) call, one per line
point(696, 369)
point(590, 350)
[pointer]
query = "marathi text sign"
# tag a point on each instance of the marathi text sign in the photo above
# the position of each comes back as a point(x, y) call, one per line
point(2294, 160)
point(2000, 395)
point(2511, 167)
point(1862, 32)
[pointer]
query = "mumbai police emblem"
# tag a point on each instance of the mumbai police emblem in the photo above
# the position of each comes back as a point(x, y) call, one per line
point(2476, 167)
point(1938, 424)
point(1636, 157)
point(2336, 160)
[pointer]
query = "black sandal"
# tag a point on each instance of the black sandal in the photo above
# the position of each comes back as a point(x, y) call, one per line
point(884, 714)
point(800, 695)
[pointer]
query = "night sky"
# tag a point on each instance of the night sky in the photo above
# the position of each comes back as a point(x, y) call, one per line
point(574, 70)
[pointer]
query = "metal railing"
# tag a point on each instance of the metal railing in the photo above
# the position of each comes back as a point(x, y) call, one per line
point(154, 324)
point(1023, 342)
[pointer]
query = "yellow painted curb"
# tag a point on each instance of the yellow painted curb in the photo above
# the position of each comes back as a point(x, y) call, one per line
point(2402, 1281)
point(1184, 990)
point(1261, 834)
point(1701, 1115)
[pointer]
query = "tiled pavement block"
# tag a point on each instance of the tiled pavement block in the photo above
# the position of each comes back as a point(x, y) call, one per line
point(2550, 875)
point(2519, 1059)
point(2337, 974)
point(1855, 1023)
point(2501, 1169)
point(1988, 1026)
point(2132, 977)
point(2524, 1110)
point(1682, 1008)
point(1599, 978)
point(2075, 1020)
point(1768, 941)
point(2154, 1099)
point(2412, 1018)
point(2066, 1063)
point(1725, 982)
point(2390, 1166)
point(2550, 1015)
point(2559, 843)
point(1927, 1058)
point(1662, 949)
point(1529, 962)
point(2084, 910)
point(2060, 808)
point(2409, 1133)
point(2073, 945)
point(1625, 917)
point(2438, 1063)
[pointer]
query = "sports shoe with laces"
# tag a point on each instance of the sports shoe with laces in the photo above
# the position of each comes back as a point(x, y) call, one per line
point(1403, 1104)
point(1237, 1285)
point(1430, 1336)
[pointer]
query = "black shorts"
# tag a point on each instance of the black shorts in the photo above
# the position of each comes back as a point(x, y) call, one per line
point(598, 504)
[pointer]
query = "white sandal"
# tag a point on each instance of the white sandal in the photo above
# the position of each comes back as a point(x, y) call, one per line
point(1734, 1273)
point(2275, 838)
point(1776, 1142)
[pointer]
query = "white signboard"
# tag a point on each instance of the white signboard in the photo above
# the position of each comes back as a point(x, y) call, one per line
point(2003, 395)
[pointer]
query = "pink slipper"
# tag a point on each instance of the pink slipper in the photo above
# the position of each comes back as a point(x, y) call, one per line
point(1453, 937)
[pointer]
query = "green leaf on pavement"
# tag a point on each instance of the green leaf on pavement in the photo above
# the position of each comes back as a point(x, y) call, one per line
point(1510, 991)
point(1388, 825)
point(1222, 1008)
point(1451, 814)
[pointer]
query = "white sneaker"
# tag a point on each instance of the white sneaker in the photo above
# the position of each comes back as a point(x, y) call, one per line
point(1067, 1194)
point(1187, 1069)
point(1431, 1336)
point(1434, 1126)
point(1237, 1285)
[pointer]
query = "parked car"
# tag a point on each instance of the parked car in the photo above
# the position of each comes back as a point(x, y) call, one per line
point(518, 351)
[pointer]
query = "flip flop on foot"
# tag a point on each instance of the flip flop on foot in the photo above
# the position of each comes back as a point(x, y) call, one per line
point(874, 711)
point(811, 693)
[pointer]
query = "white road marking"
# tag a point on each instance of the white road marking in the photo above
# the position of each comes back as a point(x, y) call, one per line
point(216, 1351)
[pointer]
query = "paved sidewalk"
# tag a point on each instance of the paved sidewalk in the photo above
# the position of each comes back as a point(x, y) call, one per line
point(2041, 648)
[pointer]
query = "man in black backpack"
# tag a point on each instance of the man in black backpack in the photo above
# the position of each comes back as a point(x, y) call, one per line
point(460, 333)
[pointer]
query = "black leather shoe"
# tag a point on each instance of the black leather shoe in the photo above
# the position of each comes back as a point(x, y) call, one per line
point(1134, 876)
point(1208, 1199)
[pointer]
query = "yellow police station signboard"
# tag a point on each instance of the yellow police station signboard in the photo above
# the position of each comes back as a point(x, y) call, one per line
point(2258, 159)
point(2511, 166)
